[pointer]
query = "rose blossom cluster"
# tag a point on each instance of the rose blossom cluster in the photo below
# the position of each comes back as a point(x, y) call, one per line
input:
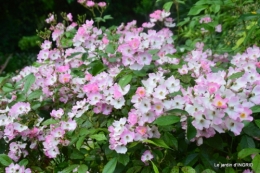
point(217, 102)
point(159, 16)
point(150, 102)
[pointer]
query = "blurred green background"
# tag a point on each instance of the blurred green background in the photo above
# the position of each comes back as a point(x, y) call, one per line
point(21, 18)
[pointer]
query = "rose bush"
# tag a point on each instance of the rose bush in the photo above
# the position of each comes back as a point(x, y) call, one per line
point(127, 99)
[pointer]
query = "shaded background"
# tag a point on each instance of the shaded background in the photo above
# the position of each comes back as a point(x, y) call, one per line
point(19, 20)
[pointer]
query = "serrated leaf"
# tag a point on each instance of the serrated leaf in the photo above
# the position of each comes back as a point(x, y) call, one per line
point(106, 17)
point(69, 169)
point(208, 171)
point(96, 67)
point(50, 121)
point(167, 120)
point(257, 122)
point(177, 111)
point(110, 166)
point(255, 162)
point(7, 87)
point(23, 162)
point(229, 170)
point(247, 151)
point(35, 105)
point(197, 9)
point(175, 169)
point(125, 80)
point(252, 130)
point(215, 8)
point(236, 75)
point(188, 169)
point(80, 142)
point(110, 48)
point(255, 109)
point(191, 159)
point(35, 94)
point(29, 80)
point(153, 51)
point(84, 56)
point(157, 142)
point(155, 57)
point(74, 54)
point(167, 6)
point(155, 169)
point(20, 97)
point(98, 137)
point(76, 154)
point(83, 168)
point(191, 130)
point(247, 142)
point(123, 158)
point(5, 160)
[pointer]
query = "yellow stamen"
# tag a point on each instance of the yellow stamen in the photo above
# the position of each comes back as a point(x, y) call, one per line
point(242, 115)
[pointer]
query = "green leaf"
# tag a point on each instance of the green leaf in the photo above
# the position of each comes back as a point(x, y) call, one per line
point(35, 94)
point(197, 9)
point(5, 160)
point(157, 142)
point(23, 162)
point(155, 57)
point(215, 8)
point(191, 159)
point(255, 162)
point(252, 130)
point(167, 6)
point(96, 67)
point(74, 54)
point(177, 111)
point(76, 154)
point(134, 169)
point(257, 122)
point(83, 168)
point(247, 151)
point(155, 169)
point(65, 42)
point(7, 87)
point(248, 16)
point(29, 80)
point(229, 170)
point(175, 169)
point(208, 171)
point(191, 130)
point(236, 75)
point(35, 105)
point(170, 140)
point(153, 51)
point(84, 56)
point(188, 169)
point(123, 158)
point(125, 80)
point(110, 48)
point(50, 121)
point(98, 137)
point(185, 78)
point(247, 142)
point(20, 97)
point(255, 109)
point(80, 142)
point(110, 166)
point(107, 17)
point(69, 169)
point(167, 120)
